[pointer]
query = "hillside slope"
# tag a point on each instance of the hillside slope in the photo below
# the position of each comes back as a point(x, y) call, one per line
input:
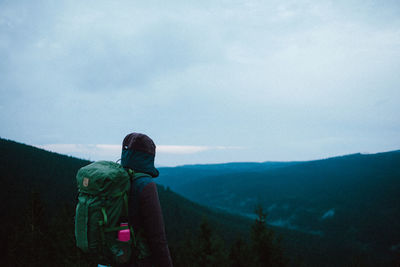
point(352, 200)
point(24, 169)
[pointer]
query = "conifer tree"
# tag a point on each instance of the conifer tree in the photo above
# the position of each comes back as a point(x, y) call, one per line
point(265, 246)
point(210, 249)
point(184, 253)
point(31, 238)
point(239, 255)
point(62, 232)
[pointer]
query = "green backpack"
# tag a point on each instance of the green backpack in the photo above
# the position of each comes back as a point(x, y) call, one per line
point(102, 206)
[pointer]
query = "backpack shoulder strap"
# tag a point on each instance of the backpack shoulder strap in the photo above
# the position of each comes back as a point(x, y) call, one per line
point(136, 175)
point(139, 181)
point(139, 175)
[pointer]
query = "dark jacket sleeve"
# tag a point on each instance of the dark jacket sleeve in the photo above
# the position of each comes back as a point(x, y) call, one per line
point(153, 224)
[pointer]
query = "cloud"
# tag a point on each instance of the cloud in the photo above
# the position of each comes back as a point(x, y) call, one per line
point(329, 214)
point(86, 151)
point(261, 74)
point(190, 149)
point(287, 223)
point(112, 152)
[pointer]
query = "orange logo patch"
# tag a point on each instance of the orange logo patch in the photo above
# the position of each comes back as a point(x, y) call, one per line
point(85, 182)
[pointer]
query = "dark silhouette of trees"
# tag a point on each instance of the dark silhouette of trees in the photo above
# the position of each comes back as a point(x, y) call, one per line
point(43, 242)
point(30, 242)
point(264, 244)
point(240, 254)
point(39, 204)
point(210, 249)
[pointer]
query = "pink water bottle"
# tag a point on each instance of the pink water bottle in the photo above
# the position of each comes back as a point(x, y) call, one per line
point(124, 235)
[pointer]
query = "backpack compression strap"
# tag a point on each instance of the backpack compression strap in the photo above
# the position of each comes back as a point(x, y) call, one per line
point(134, 176)
point(81, 220)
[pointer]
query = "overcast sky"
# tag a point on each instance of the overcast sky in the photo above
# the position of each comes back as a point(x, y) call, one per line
point(208, 81)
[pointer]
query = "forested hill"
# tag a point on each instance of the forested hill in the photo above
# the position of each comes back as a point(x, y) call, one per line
point(39, 188)
point(38, 195)
point(352, 200)
point(25, 169)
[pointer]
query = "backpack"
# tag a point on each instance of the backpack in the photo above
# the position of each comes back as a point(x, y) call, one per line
point(102, 211)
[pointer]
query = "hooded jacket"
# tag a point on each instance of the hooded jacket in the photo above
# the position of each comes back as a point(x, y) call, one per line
point(144, 210)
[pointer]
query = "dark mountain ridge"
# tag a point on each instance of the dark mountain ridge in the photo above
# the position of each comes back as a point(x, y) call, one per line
point(25, 169)
point(172, 176)
point(353, 199)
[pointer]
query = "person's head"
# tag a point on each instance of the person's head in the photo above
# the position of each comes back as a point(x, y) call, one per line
point(138, 152)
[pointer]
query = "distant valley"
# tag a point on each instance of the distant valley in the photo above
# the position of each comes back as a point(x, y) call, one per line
point(353, 200)
point(342, 211)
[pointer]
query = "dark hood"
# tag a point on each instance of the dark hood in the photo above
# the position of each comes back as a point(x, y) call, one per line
point(138, 153)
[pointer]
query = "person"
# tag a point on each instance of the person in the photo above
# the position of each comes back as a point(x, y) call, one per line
point(144, 210)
